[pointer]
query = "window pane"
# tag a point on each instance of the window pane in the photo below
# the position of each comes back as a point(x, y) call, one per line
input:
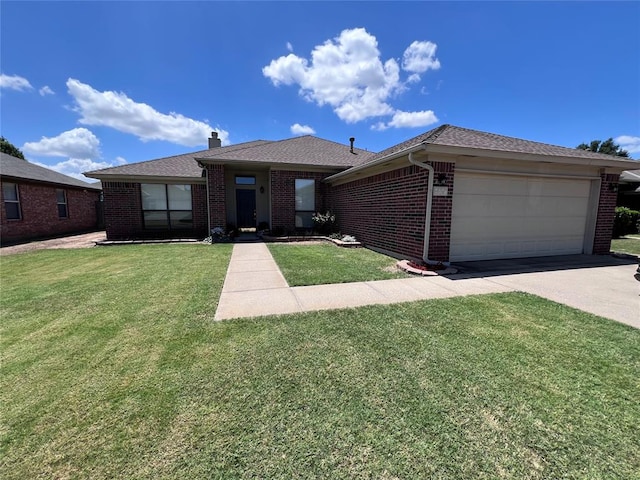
point(181, 220)
point(304, 220)
point(61, 196)
point(179, 197)
point(13, 210)
point(154, 197)
point(155, 220)
point(245, 180)
point(62, 210)
point(305, 195)
point(10, 191)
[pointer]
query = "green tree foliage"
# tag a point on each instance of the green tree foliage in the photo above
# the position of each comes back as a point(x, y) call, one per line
point(10, 149)
point(608, 147)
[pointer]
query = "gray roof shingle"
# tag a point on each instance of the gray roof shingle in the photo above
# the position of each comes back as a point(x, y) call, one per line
point(449, 135)
point(183, 165)
point(304, 150)
point(21, 169)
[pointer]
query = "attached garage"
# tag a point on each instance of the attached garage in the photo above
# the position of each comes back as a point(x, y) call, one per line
point(511, 216)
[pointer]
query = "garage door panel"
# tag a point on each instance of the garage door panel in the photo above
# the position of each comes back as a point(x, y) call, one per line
point(509, 217)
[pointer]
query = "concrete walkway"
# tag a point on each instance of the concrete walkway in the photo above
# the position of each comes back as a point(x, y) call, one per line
point(254, 286)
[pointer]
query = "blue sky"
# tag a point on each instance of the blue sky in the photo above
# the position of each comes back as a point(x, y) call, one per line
point(87, 85)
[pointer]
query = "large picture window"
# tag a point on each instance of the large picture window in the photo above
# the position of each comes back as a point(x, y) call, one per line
point(11, 201)
point(305, 202)
point(166, 207)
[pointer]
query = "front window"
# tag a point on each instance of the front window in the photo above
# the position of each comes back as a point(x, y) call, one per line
point(11, 201)
point(305, 202)
point(167, 207)
point(61, 197)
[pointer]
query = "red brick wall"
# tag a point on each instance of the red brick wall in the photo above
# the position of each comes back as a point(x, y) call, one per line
point(387, 211)
point(217, 207)
point(606, 213)
point(39, 208)
point(283, 196)
point(123, 212)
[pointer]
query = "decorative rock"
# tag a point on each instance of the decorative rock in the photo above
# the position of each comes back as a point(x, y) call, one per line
point(404, 265)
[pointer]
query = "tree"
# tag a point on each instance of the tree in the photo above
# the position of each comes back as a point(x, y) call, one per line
point(608, 147)
point(10, 149)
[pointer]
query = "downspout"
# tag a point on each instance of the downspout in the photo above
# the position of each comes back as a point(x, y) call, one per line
point(427, 216)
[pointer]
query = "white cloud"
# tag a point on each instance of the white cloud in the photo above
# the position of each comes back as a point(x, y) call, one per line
point(402, 119)
point(75, 166)
point(14, 82)
point(348, 74)
point(116, 110)
point(420, 57)
point(76, 143)
point(46, 91)
point(298, 129)
point(289, 47)
point(629, 143)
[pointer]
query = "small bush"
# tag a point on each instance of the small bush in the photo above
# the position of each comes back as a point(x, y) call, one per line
point(625, 221)
point(325, 223)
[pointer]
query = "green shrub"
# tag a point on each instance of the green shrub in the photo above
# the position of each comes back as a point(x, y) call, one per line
point(625, 221)
point(325, 223)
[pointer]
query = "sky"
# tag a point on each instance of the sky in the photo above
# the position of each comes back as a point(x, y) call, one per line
point(88, 85)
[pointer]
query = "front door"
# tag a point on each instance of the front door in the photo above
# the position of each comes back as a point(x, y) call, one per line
point(246, 208)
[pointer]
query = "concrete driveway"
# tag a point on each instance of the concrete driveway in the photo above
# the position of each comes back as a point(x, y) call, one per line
point(84, 240)
point(602, 285)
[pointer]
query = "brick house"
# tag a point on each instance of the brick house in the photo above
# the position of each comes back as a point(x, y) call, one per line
point(450, 194)
point(38, 202)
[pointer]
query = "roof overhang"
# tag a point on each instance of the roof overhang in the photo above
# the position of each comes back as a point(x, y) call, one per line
point(246, 164)
point(613, 165)
point(13, 178)
point(145, 178)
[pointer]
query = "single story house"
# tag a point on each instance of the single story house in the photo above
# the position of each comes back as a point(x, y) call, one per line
point(629, 189)
point(39, 202)
point(449, 194)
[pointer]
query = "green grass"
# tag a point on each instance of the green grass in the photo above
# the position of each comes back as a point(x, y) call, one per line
point(112, 368)
point(324, 263)
point(627, 244)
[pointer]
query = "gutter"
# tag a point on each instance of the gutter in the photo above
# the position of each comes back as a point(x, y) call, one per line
point(427, 215)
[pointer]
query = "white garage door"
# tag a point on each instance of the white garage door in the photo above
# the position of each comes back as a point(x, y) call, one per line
point(504, 216)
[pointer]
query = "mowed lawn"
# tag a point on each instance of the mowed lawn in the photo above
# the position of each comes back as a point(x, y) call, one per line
point(325, 263)
point(113, 368)
point(627, 244)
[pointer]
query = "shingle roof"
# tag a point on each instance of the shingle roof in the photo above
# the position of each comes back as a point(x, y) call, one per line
point(175, 166)
point(304, 150)
point(449, 135)
point(17, 168)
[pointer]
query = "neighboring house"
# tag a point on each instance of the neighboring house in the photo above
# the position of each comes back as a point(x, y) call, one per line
point(629, 189)
point(450, 194)
point(38, 202)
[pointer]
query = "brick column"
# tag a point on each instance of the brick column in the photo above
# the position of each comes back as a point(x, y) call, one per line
point(217, 207)
point(440, 233)
point(606, 212)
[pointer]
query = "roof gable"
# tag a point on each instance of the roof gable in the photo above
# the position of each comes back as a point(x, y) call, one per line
point(304, 150)
point(452, 136)
point(14, 167)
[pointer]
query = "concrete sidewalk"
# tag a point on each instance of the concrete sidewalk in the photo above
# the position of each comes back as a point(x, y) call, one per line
point(254, 286)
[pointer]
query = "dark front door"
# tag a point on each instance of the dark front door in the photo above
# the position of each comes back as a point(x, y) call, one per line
point(246, 208)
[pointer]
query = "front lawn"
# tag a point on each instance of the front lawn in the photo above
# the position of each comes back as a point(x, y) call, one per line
point(324, 263)
point(113, 368)
point(627, 244)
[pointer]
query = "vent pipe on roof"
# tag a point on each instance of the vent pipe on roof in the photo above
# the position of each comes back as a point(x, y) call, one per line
point(351, 140)
point(214, 141)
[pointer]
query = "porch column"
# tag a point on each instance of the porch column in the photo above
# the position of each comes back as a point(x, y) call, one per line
point(216, 189)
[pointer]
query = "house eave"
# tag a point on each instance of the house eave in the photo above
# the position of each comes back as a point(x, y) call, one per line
point(613, 165)
point(145, 178)
point(16, 179)
point(248, 164)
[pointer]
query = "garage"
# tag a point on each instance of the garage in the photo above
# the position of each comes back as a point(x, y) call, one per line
point(514, 216)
